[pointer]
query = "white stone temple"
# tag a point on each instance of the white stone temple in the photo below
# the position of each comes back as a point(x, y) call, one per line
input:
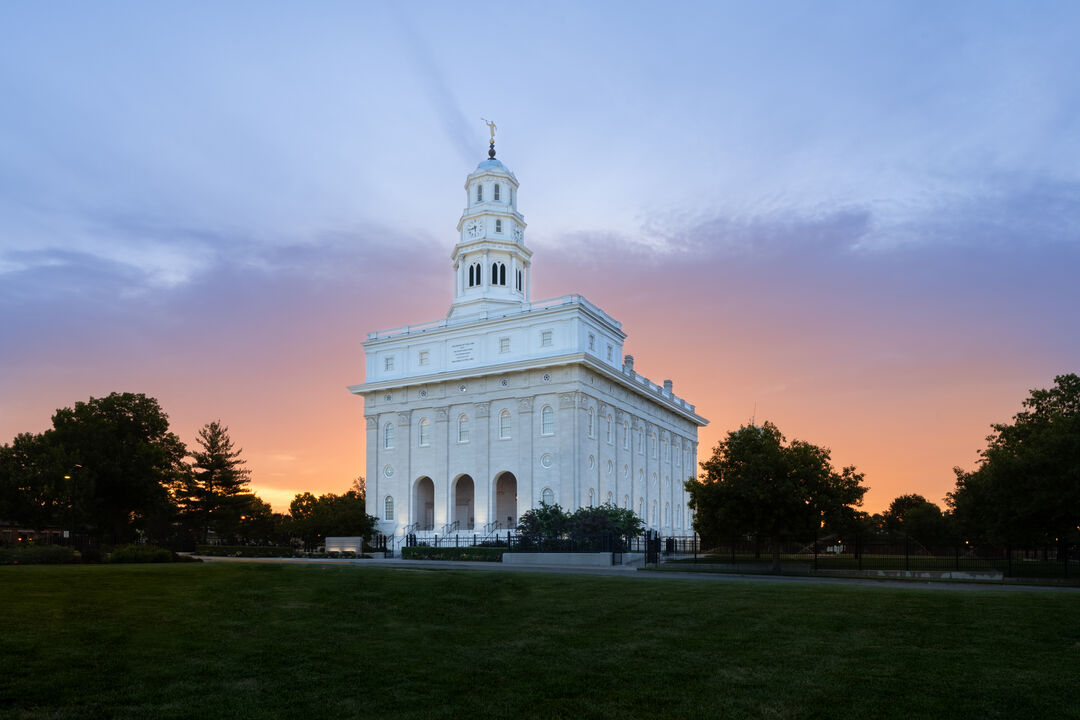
point(506, 403)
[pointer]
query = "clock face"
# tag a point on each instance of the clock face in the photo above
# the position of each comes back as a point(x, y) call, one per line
point(475, 228)
point(517, 233)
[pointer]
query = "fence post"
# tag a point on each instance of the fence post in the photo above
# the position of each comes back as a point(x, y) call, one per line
point(1008, 558)
point(956, 549)
point(693, 539)
point(815, 550)
point(508, 547)
point(907, 552)
point(858, 550)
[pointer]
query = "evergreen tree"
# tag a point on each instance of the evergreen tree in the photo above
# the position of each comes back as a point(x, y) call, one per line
point(214, 496)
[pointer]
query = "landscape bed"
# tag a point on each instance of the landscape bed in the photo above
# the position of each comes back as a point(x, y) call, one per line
point(327, 641)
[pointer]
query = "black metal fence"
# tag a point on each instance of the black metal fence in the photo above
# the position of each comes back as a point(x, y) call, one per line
point(904, 555)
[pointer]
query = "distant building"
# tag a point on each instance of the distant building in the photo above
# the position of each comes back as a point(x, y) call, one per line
point(506, 403)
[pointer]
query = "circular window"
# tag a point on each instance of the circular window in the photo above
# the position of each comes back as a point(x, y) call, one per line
point(504, 382)
point(423, 393)
point(388, 471)
point(462, 387)
point(389, 397)
point(547, 377)
point(545, 460)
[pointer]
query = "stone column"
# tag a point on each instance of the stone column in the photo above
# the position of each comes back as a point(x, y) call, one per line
point(440, 439)
point(404, 473)
point(569, 450)
point(374, 492)
point(526, 461)
point(484, 496)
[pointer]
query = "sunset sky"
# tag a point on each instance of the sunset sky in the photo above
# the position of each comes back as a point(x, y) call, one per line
point(860, 221)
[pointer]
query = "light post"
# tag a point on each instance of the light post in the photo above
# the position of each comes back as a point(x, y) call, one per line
point(73, 489)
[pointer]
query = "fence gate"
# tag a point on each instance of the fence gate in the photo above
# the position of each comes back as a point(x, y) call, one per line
point(652, 547)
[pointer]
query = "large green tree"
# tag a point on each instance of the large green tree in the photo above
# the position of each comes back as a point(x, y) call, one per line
point(213, 496)
point(1026, 488)
point(914, 517)
point(756, 483)
point(121, 458)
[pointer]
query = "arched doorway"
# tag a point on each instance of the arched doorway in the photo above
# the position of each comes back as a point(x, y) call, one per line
point(424, 504)
point(506, 500)
point(464, 496)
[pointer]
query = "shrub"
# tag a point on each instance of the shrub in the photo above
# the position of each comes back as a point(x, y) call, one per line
point(244, 550)
point(140, 554)
point(478, 553)
point(37, 555)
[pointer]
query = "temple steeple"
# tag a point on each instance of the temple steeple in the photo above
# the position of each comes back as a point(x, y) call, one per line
point(491, 262)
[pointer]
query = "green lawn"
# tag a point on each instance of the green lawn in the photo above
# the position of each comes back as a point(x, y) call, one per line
point(331, 641)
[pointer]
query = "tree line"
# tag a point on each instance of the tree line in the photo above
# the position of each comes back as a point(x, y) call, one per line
point(110, 468)
point(1024, 492)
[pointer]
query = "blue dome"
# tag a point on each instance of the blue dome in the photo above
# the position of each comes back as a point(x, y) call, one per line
point(492, 164)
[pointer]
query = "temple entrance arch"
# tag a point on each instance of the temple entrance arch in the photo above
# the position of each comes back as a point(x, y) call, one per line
point(506, 500)
point(424, 504)
point(464, 502)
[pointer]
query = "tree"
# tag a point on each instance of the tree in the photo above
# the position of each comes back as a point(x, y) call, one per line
point(32, 483)
point(124, 456)
point(1026, 488)
point(316, 518)
point(754, 484)
point(213, 496)
point(913, 516)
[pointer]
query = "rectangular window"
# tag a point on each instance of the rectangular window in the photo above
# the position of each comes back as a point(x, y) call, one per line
point(504, 345)
point(424, 357)
point(545, 339)
point(609, 353)
point(479, 193)
point(496, 192)
point(592, 341)
point(498, 222)
point(504, 425)
point(388, 363)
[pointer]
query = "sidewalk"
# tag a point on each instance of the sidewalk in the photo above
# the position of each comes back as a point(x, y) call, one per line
point(643, 574)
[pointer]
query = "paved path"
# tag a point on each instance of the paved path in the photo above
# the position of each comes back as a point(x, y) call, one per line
point(653, 575)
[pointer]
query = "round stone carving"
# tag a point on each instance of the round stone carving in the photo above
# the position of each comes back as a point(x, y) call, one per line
point(389, 397)
point(388, 471)
point(462, 387)
point(545, 460)
point(504, 382)
point(547, 377)
point(423, 393)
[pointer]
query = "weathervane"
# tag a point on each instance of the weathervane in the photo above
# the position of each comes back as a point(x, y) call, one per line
point(492, 128)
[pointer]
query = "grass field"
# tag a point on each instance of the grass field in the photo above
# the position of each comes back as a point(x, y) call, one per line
point(331, 641)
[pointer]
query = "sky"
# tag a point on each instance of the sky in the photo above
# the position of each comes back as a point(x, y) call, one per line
point(859, 221)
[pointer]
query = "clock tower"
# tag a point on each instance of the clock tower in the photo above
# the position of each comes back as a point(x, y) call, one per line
point(491, 262)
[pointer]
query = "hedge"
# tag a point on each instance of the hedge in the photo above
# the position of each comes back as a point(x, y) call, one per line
point(37, 555)
point(140, 554)
point(485, 554)
point(244, 550)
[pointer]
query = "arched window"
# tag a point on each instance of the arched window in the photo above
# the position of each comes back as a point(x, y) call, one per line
point(504, 425)
point(625, 472)
point(592, 422)
point(609, 497)
point(641, 507)
point(667, 513)
point(519, 287)
point(626, 435)
point(640, 441)
point(502, 274)
point(652, 444)
point(388, 508)
point(425, 432)
point(590, 497)
point(610, 429)
point(547, 497)
point(652, 514)
point(463, 428)
point(625, 501)
point(496, 193)
point(498, 221)
point(479, 192)
point(667, 450)
point(472, 280)
point(388, 436)
point(547, 421)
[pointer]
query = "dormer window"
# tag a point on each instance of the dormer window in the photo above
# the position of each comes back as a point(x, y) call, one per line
point(479, 192)
point(496, 192)
point(498, 222)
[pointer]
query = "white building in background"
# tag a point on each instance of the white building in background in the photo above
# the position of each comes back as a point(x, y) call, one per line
point(476, 418)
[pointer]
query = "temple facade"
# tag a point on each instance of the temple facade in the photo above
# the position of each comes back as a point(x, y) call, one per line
point(507, 403)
